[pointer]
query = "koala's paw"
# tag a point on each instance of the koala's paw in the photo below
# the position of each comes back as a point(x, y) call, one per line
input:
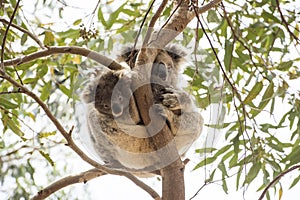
point(158, 109)
point(170, 98)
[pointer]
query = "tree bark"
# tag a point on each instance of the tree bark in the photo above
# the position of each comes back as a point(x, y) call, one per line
point(173, 174)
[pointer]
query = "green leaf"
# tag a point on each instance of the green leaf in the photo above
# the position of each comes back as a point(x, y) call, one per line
point(224, 185)
point(206, 161)
point(46, 90)
point(265, 100)
point(24, 39)
point(2, 143)
point(212, 16)
point(131, 12)
point(254, 92)
point(285, 66)
point(101, 17)
point(46, 134)
point(114, 15)
point(42, 70)
point(30, 80)
point(267, 16)
point(77, 22)
point(228, 54)
point(8, 104)
point(296, 180)
point(65, 90)
point(223, 169)
point(211, 176)
point(233, 161)
point(293, 157)
point(49, 38)
point(223, 149)
point(14, 128)
point(253, 172)
point(46, 155)
point(30, 50)
point(205, 150)
point(71, 33)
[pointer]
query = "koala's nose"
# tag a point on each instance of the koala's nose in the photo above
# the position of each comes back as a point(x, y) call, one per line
point(117, 110)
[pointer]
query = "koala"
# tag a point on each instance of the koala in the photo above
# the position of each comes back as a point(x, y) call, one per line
point(118, 137)
point(112, 96)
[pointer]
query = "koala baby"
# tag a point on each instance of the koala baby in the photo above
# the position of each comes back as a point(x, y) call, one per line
point(112, 96)
point(113, 118)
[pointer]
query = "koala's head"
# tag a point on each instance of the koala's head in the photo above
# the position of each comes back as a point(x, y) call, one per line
point(110, 92)
point(166, 65)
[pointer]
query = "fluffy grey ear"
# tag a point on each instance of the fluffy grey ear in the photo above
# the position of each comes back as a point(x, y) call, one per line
point(88, 94)
point(126, 53)
point(176, 52)
point(126, 50)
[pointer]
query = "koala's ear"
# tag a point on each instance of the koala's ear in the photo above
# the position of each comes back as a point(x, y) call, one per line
point(88, 94)
point(126, 52)
point(176, 52)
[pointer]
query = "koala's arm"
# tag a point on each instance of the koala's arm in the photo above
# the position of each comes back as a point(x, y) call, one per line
point(186, 122)
point(186, 127)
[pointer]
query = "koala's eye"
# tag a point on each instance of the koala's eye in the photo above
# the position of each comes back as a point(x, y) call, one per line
point(120, 98)
point(106, 106)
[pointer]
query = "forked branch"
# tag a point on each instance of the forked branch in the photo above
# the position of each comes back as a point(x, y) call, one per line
point(66, 181)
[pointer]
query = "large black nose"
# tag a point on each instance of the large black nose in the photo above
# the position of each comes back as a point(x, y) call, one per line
point(117, 110)
point(160, 70)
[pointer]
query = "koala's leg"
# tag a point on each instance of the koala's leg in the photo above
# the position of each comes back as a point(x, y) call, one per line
point(165, 116)
point(176, 100)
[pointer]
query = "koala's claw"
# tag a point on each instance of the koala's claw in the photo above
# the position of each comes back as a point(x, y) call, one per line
point(170, 98)
point(168, 89)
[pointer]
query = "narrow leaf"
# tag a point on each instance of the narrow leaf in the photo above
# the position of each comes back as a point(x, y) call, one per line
point(47, 157)
point(254, 92)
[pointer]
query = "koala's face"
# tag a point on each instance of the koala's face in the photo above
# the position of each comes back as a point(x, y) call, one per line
point(112, 93)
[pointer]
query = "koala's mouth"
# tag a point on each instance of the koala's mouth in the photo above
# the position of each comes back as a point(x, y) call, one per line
point(117, 110)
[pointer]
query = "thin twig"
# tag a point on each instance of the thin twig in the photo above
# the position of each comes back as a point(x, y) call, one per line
point(286, 24)
point(153, 21)
point(142, 24)
point(31, 35)
point(276, 179)
point(6, 32)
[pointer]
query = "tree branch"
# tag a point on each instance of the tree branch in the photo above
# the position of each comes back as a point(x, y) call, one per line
point(153, 21)
point(66, 181)
point(178, 22)
point(31, 35)
point(276, 179)
point(65, 49)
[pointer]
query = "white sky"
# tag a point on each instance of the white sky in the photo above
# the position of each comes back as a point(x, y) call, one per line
point(114, 187)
